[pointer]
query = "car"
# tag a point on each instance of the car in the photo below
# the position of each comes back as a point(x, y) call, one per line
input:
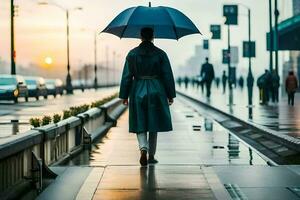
point(36, 87)
point(54, 87)
point(78, 84)
point(12, 87)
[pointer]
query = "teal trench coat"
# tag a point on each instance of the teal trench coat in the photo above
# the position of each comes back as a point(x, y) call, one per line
point(148, 81)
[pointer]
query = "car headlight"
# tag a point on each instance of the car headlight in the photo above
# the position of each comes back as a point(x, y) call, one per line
point(16, 92)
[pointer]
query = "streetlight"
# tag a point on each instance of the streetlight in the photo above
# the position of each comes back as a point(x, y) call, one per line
point(114, 67)
point(250, 78)
point(95, 56)
point(69, 87)
point(12, 37)
point(95, 66)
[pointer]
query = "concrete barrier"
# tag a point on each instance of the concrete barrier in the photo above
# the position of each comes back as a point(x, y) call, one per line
point(52, 143)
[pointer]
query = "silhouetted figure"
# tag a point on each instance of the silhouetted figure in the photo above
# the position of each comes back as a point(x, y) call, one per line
point(186, 82)
point(179, 81)
point(224, 81)
point(291, 86)
point(250, 82)
point(148, 82)
point(241, 82)
point(208, 74)
point(275, 86)
point(217, 81)
point(264, 83)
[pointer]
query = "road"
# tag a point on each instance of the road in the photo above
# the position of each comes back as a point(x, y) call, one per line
point(23, 111)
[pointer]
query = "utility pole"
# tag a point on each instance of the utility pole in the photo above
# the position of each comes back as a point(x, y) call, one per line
point(95, 67)
point(276, 12)
point(106, 67)
point(12, 38)
point(114, 67)
point(229, 59)
point(69, 87)
point(250, 78)
point(271, 40)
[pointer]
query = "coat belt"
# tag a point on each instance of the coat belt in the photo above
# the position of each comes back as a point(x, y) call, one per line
point(146, 77)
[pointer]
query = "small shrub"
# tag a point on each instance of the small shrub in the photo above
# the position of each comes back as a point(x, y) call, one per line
point(46, 120)
point(35, 122)
point(66, 114)
point(56, 118)
point(99, 103)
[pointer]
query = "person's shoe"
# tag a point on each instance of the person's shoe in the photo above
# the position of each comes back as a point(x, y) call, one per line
point(143, 159)
point(152, 160)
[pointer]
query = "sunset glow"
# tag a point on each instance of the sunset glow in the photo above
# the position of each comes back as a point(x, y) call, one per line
point(48, 60)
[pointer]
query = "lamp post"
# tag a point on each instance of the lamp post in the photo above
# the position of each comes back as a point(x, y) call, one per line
point(114, 67)
point(250, 79)
point(95, 66)
point(271, 40)
point(12, 38)
point(69, 87)
point(106, 63)
point(276, 13)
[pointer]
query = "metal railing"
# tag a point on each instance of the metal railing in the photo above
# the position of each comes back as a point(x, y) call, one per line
point(51, 144)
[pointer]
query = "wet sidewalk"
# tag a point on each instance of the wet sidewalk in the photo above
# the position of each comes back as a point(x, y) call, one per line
point(198, 160)
point(279, 117)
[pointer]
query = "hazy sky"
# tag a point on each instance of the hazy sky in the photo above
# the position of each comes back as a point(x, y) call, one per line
point(40, 30)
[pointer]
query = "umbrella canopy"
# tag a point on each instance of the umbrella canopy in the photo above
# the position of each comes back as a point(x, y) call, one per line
point(166, 22)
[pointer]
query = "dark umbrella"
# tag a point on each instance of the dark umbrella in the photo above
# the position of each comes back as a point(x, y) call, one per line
point(166, 22)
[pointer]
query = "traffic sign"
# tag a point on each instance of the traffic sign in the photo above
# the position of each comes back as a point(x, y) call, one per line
point(216, 31)
point(205, 44)
point(249, 49)
point(225, 56)
point(231, 14)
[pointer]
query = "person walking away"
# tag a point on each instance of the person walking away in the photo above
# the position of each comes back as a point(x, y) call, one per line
point(224, 81)
point(179, 81)
point(207, 71)
point(217, 82)
point(268, 86)
point(291, 86)
point(186, 82)
point(275, 86)
point(148, 82)
point(261, 87)
point(241, 82)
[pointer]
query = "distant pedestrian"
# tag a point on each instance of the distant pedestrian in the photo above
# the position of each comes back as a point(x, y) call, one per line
point(208, 74)
point(186, 82)
point(224, 81)
point(291, 86)
point(217, 82)
point(241, 82)
point(179, 81)
point(275, 86)
point(148, 81)
point(264, 83)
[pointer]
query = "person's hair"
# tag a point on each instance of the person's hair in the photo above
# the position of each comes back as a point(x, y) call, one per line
point(206, 58)
point(291, 73)
point(147, 33)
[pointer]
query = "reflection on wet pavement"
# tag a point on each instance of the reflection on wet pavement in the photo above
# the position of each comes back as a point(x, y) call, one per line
point(278, 117)
point(183, 154)
point(196, 140)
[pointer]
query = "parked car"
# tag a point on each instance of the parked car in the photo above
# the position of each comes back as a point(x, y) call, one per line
point(12, 87)
point(36, 87)
point(54, 87)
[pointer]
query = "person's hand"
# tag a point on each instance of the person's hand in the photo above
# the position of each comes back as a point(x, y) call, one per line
point(170, 101)
point(125, 102)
